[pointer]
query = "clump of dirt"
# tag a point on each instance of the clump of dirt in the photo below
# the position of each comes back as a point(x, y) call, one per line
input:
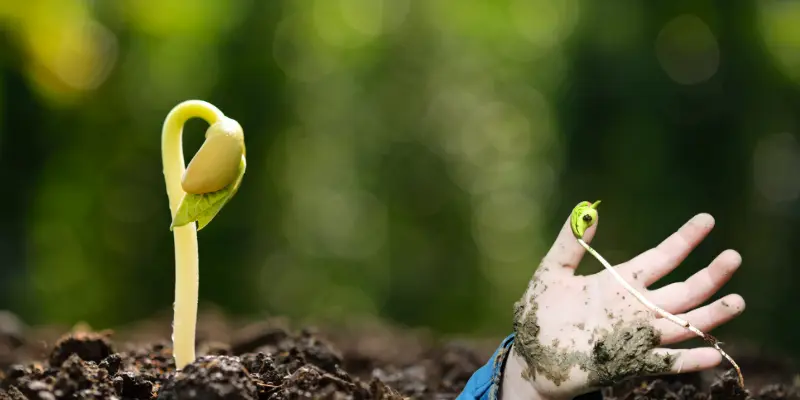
point(726, 387)
point(75, 378)
point(268, 360)
point(88, 346)
point(625, 352)
point(211, 377)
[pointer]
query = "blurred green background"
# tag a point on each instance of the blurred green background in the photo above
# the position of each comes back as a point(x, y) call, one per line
point(407, 159)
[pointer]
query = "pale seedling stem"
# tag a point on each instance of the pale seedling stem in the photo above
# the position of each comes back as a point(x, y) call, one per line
point(185, 237)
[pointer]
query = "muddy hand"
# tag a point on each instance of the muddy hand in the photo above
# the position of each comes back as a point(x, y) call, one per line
point(575, 333)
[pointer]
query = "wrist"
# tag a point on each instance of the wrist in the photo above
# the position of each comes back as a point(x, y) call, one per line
point(514, 386)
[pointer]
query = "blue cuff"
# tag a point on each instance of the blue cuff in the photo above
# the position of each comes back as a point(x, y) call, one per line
point(485, 382)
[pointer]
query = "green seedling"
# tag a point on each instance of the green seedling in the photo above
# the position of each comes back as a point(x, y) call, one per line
point(196, 194)
point(584, 215)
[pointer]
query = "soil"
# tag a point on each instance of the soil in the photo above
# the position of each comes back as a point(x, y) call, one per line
point(270, 359)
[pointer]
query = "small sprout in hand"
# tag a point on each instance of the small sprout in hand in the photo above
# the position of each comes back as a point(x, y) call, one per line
point(584, 215)
point(196, 194)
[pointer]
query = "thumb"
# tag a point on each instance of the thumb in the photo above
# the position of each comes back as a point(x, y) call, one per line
point(566, 252)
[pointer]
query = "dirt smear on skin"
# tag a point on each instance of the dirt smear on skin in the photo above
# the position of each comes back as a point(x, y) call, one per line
point(549, 361)
point(615, 355)
point(624, 352)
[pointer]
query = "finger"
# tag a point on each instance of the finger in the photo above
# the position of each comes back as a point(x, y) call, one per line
point(690, 360)
point(704, 318)
point(653, 264)
point(566, 251)
point(682, 296)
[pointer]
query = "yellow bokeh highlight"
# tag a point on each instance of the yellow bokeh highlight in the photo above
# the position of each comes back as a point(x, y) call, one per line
point(780, 31)
point(68, 51)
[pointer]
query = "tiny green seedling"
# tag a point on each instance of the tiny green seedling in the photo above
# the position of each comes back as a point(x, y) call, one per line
point(584, 215)
point(196, 194)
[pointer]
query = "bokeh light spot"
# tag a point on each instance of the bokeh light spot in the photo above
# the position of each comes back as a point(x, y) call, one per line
point(374, 17)
point(86, 56)
point(544, 23)
point(687, 50)
point(506, 211)
point(780, 30)
point(332, 28)
point(776, 165)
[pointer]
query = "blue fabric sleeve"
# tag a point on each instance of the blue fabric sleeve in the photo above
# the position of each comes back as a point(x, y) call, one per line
point(485, 382)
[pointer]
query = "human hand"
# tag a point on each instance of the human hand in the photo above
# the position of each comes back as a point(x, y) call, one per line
point(575, 334)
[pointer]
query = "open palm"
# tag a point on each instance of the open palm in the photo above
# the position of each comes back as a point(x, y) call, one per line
point(577, 333)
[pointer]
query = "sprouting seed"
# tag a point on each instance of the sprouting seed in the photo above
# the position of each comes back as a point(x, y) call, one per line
point(196, 195)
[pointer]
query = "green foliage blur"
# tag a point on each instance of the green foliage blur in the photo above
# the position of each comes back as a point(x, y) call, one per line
point(407, 159)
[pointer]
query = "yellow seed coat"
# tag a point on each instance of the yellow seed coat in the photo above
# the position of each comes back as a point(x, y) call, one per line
point(216, 163)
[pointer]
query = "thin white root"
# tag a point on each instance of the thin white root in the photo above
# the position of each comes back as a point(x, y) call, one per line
point(708, 338)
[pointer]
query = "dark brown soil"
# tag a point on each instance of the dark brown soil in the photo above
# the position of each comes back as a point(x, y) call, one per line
point(268, 360)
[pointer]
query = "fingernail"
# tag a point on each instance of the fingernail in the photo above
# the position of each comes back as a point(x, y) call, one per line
point(704, 220)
